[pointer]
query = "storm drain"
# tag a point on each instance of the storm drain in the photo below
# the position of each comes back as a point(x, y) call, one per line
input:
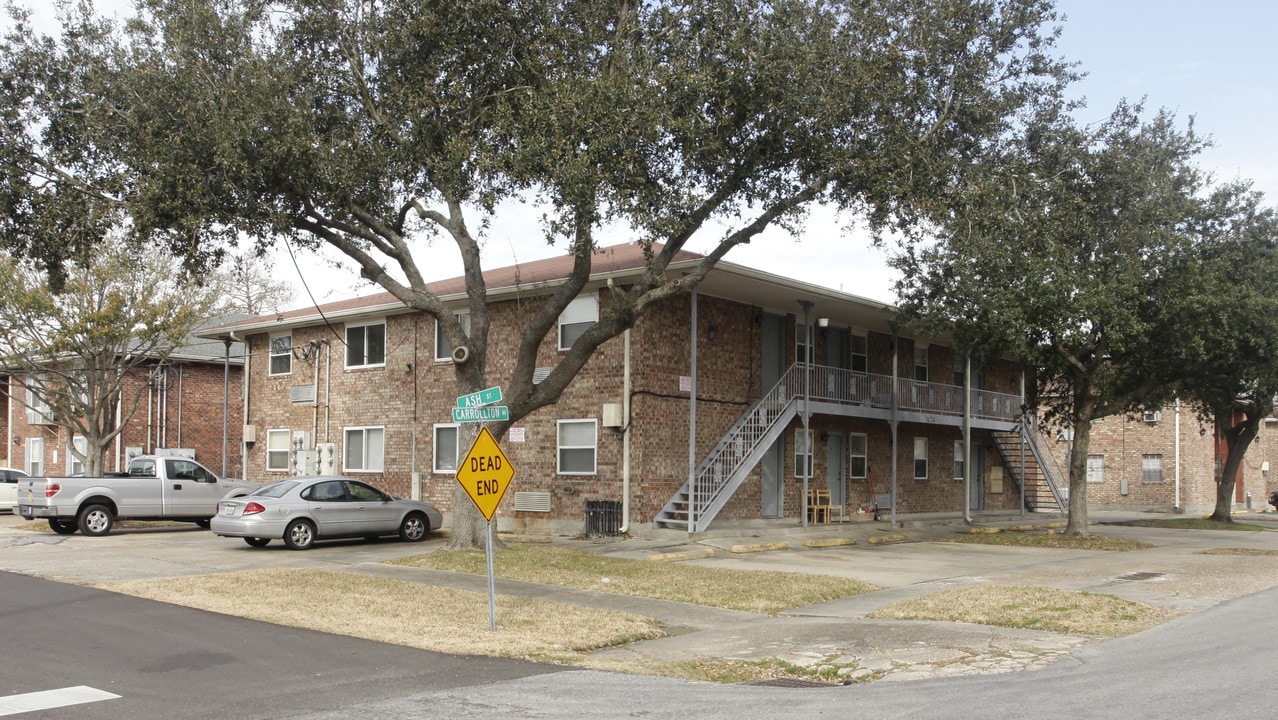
point(1140, 576)
point(793, 683)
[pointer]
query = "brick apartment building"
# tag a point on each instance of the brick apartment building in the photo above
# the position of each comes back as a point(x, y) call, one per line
point(1166, 460)
point(365, 387)
point(183, 402)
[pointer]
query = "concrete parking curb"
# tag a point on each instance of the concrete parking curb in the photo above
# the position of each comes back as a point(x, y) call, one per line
point(829, 542)
point(694, 554)
point(886, 539)
point(760, 547)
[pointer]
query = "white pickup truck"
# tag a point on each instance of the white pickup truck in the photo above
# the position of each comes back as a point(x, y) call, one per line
point(153, 488)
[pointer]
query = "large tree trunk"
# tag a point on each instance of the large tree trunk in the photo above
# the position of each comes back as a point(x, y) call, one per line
point(1237, 438)
point(1079, 448)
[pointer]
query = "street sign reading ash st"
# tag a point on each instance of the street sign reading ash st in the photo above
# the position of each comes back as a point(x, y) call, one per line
point(481, 398)
point(485, 474)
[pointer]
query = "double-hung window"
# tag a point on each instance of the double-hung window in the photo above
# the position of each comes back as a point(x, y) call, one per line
point(576, 319)
point(1095, 468)
point(281, 354)
point(366, 345)
point(578, 446)
point(858, 451)
point(958, 460)
point(1151, 467)
point(446, 451)
point(920, 458)
point(365, 448)
point(860, 347)
point(443, 349)
point(277, 450)
point(802, 453)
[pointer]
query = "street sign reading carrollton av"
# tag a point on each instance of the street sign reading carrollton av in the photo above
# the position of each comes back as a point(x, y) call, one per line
point(490, 413)
point(485, 474)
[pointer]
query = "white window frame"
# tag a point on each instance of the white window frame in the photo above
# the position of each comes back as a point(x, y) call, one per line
point(859, 353)
point(801, 348)
point(958, 459)
point(1151, 468)
point(444, 351)
point(439, 442)
point(278, 352)
point(372, 456)
point(802, 452)
point(34, 461)
point(1095, 468)
point(577, 318)
point(920, 456)
point(863, 456)
point(76, 466)
point(920, 364)
point(38, 410)
point(560, 447)
point(364, 354)
point(279, 441)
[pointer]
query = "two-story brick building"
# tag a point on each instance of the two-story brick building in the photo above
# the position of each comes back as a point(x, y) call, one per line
point(183, 407)
point(1165, 459)
point(366, 387)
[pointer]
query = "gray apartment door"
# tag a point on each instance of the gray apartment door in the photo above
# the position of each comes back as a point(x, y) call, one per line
point(836, 467)
point(978, 477)
point(772, 466)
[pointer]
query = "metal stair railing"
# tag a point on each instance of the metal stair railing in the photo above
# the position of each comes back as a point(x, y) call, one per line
point(735, 455)
point(1046, 462)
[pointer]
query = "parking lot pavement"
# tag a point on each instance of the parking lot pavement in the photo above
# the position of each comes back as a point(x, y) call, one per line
point(1175, 573)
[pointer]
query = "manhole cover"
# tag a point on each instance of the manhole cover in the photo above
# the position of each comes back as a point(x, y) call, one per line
point(1140, 576)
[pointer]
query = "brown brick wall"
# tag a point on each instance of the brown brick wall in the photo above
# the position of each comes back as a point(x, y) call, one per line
point(184, 410)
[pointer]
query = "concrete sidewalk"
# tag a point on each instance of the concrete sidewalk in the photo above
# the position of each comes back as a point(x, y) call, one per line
point(905, 561)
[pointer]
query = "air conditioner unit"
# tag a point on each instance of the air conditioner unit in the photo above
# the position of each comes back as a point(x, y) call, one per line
point(1151, 416)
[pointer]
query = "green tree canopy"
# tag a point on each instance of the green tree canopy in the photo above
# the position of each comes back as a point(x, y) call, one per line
point(1066, 255)
point(378, 127)
point(118, 312)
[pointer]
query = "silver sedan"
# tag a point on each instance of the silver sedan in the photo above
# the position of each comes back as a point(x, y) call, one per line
point(305, 509)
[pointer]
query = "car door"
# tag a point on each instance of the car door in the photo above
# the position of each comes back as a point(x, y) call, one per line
point(330, 506)
point(190, 490)
point(8, 488)
point(377, 515)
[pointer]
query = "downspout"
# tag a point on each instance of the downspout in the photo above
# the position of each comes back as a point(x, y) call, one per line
point(692, 424)
point(181, 387)
point(625, 436)
point(226, 398)
point(150, 411)
point(807, 404)
point(1177, 505)
point(895, 440)
point(315, 405)
point(245, 375)
point(1025, 430)
point(967, 439)
point(415, 477)
point(328, 388)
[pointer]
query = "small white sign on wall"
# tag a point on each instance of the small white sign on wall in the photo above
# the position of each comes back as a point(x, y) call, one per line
point(516, 434)
point(685, 383)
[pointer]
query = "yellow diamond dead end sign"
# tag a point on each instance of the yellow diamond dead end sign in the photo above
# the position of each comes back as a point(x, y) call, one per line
point(485, 474)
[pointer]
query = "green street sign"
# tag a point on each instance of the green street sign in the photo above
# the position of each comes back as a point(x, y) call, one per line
point(490, 413)
point(481, 398)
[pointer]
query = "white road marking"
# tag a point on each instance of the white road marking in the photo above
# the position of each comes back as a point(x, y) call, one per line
point(47, 699)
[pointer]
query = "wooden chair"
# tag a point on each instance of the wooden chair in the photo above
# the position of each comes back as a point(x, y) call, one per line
point(818, 505)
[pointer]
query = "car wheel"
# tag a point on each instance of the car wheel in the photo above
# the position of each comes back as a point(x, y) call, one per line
point(204, 523)
point(299, 535)
point(62, 527)
point(257, 542)
point(95, 520)
point(414, 528)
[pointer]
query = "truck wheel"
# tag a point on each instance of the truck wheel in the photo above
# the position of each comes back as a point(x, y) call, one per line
point(95, 520)
point(257, 542)
point(414, 528)
point(62, 527)
point(299, 535)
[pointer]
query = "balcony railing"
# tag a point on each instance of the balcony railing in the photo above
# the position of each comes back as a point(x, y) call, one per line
point(830, 384)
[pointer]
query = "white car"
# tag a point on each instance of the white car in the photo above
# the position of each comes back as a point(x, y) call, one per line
point(9, 487)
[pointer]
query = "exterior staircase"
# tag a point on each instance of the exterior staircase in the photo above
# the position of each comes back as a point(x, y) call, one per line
point(1033, 467)
point(741, 448)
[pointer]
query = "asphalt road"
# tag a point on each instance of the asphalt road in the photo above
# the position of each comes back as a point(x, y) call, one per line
point(182, 664)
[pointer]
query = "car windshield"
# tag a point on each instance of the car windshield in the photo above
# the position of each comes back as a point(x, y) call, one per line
point(276, 489)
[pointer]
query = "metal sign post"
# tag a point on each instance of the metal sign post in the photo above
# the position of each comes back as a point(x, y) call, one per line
point(485, 473)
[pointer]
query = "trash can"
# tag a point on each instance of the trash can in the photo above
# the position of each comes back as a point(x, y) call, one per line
point(603, 517)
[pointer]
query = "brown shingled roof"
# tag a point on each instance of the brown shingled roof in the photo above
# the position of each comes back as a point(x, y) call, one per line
point(611, 259)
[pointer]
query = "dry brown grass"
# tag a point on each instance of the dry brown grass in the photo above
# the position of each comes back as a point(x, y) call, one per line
point(1051, 540)
point(1253, 552)
point(1035, 608)
point(393, 611)
point(748, 590)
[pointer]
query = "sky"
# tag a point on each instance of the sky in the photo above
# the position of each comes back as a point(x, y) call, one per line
point(1213, 61)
